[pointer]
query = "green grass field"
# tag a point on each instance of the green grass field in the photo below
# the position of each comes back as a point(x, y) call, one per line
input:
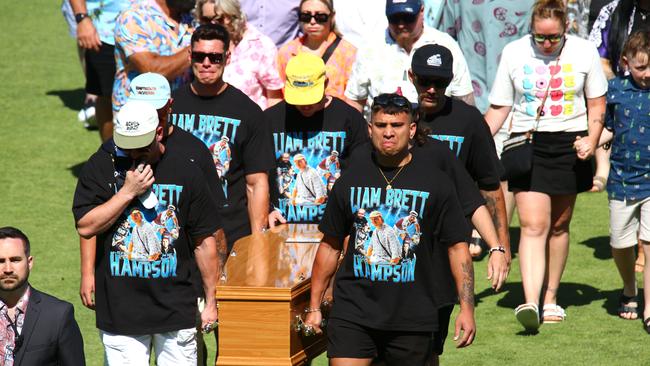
point(42, 147)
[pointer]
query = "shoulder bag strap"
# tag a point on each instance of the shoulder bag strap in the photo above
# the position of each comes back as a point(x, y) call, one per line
point(330, 50)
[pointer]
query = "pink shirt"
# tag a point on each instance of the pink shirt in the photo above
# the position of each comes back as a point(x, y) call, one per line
point(337, 68)
point(253, 66)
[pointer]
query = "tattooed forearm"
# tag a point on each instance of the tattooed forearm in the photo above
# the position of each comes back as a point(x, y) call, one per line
point(222, 250)
point(466, 293)
point(495, 204)
point(599, 120)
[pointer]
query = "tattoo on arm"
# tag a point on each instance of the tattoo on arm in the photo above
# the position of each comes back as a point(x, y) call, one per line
point(222, 251)
point(491, 204)
point(599, 120)
point(467, 289)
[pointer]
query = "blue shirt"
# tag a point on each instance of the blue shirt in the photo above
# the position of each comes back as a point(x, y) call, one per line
point(628, 118)
point(103, 14)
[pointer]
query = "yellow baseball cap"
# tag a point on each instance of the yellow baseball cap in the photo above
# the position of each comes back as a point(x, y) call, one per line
point(305, 83)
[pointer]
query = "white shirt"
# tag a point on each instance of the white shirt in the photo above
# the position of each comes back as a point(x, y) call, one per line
point(309, 186)
point(523, 77)
point(385, 245)
point(382, 67)
point(360, 20)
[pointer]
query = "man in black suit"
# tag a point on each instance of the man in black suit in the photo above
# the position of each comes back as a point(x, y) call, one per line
point(35, 328)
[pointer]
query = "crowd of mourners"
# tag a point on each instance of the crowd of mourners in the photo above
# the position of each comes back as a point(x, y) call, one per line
point(409, 130)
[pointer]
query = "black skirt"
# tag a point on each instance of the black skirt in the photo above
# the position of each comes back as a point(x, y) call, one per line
point(556, 167)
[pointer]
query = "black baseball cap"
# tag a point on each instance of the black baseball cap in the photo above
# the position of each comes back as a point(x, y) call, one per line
point(433, 60)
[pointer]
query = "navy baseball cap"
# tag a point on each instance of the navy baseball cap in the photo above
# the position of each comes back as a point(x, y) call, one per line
point(403, 6)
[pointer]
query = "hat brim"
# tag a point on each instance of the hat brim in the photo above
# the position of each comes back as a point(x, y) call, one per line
point(304, 95)
point(426, 71)
point(156, 103)
point(133, 142)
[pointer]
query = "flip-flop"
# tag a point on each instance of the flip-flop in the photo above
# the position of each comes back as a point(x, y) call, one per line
point(528, 316)
point(554, 313)
point(624, 306)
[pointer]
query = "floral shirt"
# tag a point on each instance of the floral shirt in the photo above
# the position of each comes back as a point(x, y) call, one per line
point(627, 117)
point(482, 29)
point(144, 27)
point(253, 66)
point(337, 68)
point(7, 335)
point(103, 14)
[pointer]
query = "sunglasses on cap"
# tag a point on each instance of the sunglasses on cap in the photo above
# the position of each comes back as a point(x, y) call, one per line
point(305, 17)
point(436, 83)
point(214, 58)
point(405, 18)
point(396, 100)
point(541, 38)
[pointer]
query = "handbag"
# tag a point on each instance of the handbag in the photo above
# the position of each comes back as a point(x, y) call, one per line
point(517, 154)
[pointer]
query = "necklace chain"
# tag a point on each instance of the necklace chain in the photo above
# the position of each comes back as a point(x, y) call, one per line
point(389, 183)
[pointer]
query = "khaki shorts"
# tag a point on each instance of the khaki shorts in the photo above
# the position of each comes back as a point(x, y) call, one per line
point(626, 220)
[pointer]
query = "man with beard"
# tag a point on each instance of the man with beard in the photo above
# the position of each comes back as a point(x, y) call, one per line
point(151, 36)
point(382, 66)
point(28, 317)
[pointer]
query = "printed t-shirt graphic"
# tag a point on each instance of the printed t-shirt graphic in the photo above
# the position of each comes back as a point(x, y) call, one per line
point(146, 258)
point(236, 132)
point(309, 154)
point(388, 278)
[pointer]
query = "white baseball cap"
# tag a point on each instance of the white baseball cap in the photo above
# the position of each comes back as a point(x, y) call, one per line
point(150, 87)
point(135, 125)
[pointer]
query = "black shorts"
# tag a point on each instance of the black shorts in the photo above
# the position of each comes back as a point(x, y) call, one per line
point(439, 336)
point(556, 168)
point(350, 340)
point(100, 70)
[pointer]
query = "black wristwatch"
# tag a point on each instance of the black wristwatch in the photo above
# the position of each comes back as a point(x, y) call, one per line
point(80, 16)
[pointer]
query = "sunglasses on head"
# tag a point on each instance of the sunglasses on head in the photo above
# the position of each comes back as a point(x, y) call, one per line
point(214, 58)
point(553, 38)
point(305, 17)
point(436, 83)
point(405, 18)
point(396, 100)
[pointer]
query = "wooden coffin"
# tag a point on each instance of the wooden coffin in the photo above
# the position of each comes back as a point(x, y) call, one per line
point(265, 286)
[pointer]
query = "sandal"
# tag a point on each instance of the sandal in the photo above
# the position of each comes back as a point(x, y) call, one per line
point(625, 306)
point(528, 316)
point(646, 325)
point(553, 313)
point(598, 184)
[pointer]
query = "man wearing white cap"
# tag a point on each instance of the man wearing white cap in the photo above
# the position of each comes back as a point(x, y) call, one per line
point(144, 304)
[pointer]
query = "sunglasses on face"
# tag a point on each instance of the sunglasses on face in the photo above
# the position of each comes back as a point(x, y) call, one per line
point(436, 83)
point(216, 19)
point(214, 58)
point(402, 18)
point(541, 38)
point(305, 17)
point(396, 100)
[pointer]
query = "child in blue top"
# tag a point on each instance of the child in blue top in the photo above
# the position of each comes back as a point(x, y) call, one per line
point(628, 129)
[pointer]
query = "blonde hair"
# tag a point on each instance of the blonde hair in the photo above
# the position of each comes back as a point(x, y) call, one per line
point(230, 8)
point(549, 9)
point(330, 6)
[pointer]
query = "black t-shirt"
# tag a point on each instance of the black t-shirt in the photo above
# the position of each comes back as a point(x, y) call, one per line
point(143, 267)
point(387, 279)
point(310, 153)
point(463, 128)
point(237, 135)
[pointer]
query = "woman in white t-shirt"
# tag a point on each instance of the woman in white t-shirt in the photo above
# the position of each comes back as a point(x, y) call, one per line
point(555, 85)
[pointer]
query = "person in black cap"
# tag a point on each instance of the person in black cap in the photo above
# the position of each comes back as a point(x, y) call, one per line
point(461, 126)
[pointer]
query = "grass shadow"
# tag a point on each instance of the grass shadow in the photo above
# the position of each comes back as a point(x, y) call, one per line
point(569, 294)
point(76, 169)
point(72, 99)
point(601, 247)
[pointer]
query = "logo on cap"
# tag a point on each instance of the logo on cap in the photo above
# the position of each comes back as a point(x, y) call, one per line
point(434, 60)
point(399, 1)
point(132, 125)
